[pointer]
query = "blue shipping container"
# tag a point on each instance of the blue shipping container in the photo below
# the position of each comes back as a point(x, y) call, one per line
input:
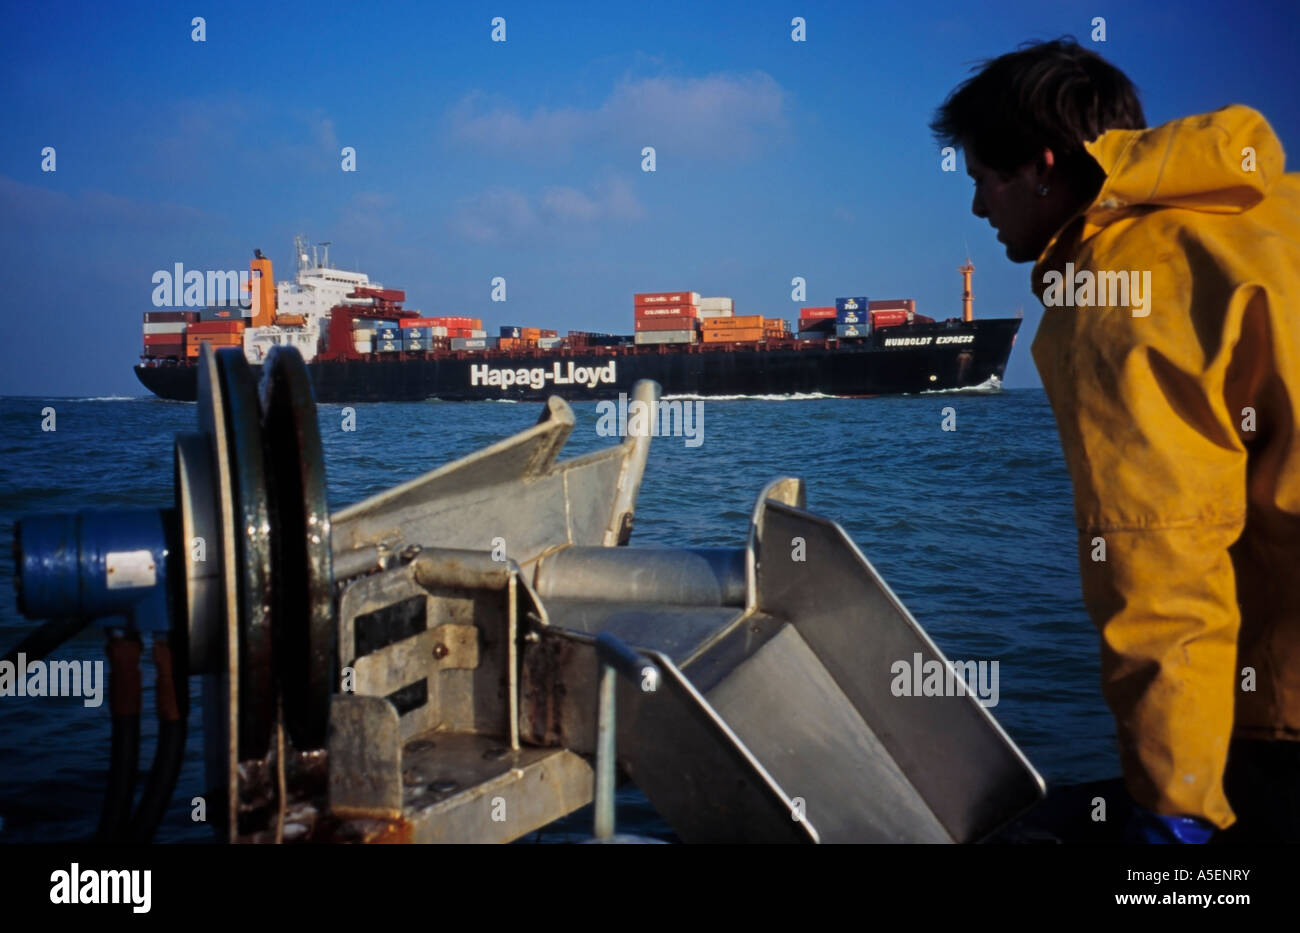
point(388, 346)
point(388, 332)
point(852, 330)
point(415, 333)
point(509, 331)
point(812, 335)
point(851, 304)
point(848, 316)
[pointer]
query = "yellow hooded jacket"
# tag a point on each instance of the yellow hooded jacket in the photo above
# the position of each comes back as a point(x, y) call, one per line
point(1178, 407)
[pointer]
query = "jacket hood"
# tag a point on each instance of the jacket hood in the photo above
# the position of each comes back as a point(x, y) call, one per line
point(1222, 162)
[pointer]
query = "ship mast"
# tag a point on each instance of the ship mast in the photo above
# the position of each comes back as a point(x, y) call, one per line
point(967, 299)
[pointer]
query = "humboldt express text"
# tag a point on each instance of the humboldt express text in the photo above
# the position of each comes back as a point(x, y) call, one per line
point(481, 374)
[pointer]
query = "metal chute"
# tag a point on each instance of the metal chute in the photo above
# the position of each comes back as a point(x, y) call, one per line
point(425, 665)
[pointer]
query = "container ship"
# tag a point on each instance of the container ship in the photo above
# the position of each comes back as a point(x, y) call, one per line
point(361, 345)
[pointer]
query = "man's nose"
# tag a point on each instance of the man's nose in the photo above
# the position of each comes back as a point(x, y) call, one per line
point(977, 206)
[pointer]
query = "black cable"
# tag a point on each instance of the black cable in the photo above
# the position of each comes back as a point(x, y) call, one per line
point(124, 691)
point(172, 701)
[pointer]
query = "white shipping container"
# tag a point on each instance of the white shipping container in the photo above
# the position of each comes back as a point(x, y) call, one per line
point(177, 328)
point(363, 333)
point(436, 331)
point(717, 304)
point(477, 333)
point(708, 315)
point(665, 336)
point(547, 343)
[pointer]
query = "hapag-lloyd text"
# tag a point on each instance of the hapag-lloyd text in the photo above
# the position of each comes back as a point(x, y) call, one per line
point(481, 374)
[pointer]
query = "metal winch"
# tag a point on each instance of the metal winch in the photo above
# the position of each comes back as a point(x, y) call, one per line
point(475, 653)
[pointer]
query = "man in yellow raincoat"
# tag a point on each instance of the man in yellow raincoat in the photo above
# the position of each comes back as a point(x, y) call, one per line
point(1168, 262)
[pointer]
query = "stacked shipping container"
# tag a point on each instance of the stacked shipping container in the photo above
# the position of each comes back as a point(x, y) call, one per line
point(666, 317)
point(217, 333)
point(734, 329)
point(523, 337)
point(816, 323)
point(164, 333)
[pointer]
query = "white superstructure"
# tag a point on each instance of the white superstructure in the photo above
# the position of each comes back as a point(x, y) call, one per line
point(316, 290)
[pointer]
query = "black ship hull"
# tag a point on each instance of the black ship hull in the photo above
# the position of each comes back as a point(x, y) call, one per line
point(893, 361)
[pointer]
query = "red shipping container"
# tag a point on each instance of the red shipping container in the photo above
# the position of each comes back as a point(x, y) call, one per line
point(817, 314)
point(170, 317)
point(892, 304)
point(550, 333)
point(888, 318)
point(216, 327)
point(666, 298)
point(820, 323)
point(690, 311)
point(164, 340)
point(665, 323)
point(467, 323)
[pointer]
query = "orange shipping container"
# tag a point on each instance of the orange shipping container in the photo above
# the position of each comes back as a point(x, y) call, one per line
point(215, 327)
point(193, 349)
point(749, 320)
point(216, 344)
point(735, 335)
point(290, 320)
point(530, 333)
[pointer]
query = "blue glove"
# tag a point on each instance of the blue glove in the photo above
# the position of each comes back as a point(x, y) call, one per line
point(1148, 828)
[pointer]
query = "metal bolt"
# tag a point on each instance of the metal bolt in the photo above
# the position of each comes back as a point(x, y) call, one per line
point(439, 651)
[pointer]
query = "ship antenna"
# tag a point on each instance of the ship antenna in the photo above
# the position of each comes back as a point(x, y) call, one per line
point(326, 247)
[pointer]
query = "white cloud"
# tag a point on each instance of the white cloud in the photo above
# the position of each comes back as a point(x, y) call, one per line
point(716, 115)
point(501, 214)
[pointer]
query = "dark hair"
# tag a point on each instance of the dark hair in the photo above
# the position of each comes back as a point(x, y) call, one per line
point(1046, 94)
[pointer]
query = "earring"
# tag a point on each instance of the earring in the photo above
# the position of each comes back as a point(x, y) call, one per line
point(1042, 191)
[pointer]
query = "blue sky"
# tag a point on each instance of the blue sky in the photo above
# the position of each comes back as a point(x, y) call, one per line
point(522, 159)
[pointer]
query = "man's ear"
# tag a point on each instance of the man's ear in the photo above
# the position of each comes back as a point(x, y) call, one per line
point(1045, 166)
